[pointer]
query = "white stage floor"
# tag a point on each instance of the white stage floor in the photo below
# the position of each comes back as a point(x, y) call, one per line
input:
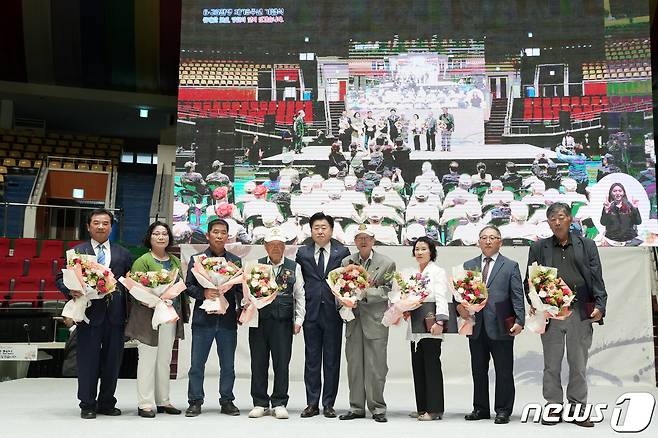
point(48, 407)
point(503, 152)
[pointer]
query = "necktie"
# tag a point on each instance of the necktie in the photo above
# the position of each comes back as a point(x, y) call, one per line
point(366, 265)
point(485, 271)
point(321, 262)
point(101, 255)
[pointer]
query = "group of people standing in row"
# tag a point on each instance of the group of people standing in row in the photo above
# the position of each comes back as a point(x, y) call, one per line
point(306, 304)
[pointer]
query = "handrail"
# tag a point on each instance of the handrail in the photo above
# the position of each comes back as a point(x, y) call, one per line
point(508, 115)
point(76, 207)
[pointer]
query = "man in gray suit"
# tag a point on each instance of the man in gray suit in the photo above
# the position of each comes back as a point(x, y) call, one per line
point(496, 325)
point(579, 266)
point(430, 132)
point(366, 337)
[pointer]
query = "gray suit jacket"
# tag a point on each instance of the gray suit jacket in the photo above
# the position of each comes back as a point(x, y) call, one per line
point(505, 294)
point(370, 311)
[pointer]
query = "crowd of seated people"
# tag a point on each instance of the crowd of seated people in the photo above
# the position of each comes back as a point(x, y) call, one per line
point(449, 208)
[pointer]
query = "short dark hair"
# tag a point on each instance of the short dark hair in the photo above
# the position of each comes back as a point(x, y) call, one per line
point(321, 216)
point(490, 227)
point(217, 221)
point(556, 207)
point(98, 212)
point(430, 243)
point(147, 237)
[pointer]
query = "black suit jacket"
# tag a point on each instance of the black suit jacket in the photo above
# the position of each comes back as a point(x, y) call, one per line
point(588, 263)
point(114, 307)
point(315, 286)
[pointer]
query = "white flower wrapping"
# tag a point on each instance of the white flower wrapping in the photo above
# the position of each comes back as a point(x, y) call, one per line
point(159, 298)
point(403, 300)
point(347, 303)
point(73, 280)
point(212, 280)
point(537, 322)
point(254, 273)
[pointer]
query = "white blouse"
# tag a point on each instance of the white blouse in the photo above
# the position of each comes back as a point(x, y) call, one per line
point(440, 294)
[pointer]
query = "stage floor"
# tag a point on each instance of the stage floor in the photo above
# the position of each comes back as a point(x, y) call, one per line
point(48, 407)
point(502, 152)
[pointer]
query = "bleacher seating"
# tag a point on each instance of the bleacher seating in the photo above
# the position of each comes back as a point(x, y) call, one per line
point(251, 110)
point(25, 151)
point(581, 107)
point(226, 73)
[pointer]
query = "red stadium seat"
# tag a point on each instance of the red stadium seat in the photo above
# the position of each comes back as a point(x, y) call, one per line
point(585, 100)
point(71, 243)
point(4, 247)
point(12, 267)
point(25, 248)
point(575, 100)
point(26, 290)
point(51, 249)
point(42, 267)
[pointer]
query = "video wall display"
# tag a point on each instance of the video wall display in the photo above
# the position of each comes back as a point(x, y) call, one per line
point(418, 119)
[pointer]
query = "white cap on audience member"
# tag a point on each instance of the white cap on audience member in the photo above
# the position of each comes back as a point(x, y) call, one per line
point(287, 159)
point(385, 183)
point(378, 192)
point(333, 171)
point(364, 229)
point(465, 179)
point(519, 210)
point(426, 167)
point(275, 234)
point(414, 231)
point(334, 194)
point(269, 218)
point(421, 192)
point(551, 196)
point(374, 217)
point(538, 187)
point(249, 186)
point(472, 209)
point(496, 185)
point(569, 184)
point(350, 181)
point(306, 184)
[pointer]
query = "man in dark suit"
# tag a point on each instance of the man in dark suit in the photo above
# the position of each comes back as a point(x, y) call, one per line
point(579, 266)
point(492, 337)
point(323, 327)
point(206, 328)
point(100, 341)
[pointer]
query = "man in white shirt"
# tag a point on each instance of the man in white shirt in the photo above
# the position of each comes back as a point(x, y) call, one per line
point(261, 206)
point(497, 196)
point(519, 227)
point(277, 322)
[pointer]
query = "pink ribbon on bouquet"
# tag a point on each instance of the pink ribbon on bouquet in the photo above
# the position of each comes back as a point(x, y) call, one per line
point(465, 326)
point(221, 300)
point(164, 311)
point(253, 305)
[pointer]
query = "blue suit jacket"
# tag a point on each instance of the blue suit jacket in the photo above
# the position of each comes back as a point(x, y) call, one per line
point(114, 307)
point(233, 296)
point(315, 285)
point(505, 289)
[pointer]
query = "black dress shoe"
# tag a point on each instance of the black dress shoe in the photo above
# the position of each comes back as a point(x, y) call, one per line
point(194, 409)
point(379, 418)
point(145, 413)
point(477, 415)
point(551, 420)
point(87, 414)
point(168, 410)
point(310, 411)
point(229, 408)
point(349, 416)
point(110, 412)
point(584, 423)
point(501, 419)
point(329, 412)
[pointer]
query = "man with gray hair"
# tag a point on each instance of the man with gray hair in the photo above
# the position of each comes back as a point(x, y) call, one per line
point(579, 266)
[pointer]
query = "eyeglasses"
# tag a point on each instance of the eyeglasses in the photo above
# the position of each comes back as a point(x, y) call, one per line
point(491, 238)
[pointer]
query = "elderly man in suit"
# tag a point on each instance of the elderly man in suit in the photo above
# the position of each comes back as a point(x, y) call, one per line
point(100, 340)
point(323, 327)
point(579, 266)
point(496, 325)
point(366, 337)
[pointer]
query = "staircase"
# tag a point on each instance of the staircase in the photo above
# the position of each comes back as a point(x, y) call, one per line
point(134, 195)
point(335, 110)
point(493, 129)
point(17, 189)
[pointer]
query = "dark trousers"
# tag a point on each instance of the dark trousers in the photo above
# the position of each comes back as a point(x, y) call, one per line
point(322, 339)
point(502, 352)
point(431, 140)
point(428, 376)
point(417, 142)
point(100, 351)
point(272, 336)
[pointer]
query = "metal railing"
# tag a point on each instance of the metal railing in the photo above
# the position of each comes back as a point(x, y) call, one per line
point(59, 232)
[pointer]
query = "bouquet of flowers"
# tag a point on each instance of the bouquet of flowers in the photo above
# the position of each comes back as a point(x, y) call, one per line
point(469, 289)
point(348, 284)
point(157, 290)
point(408, 291)
point(259, 289)
point(549, 296)
point(83, 273)
point(216, 273)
